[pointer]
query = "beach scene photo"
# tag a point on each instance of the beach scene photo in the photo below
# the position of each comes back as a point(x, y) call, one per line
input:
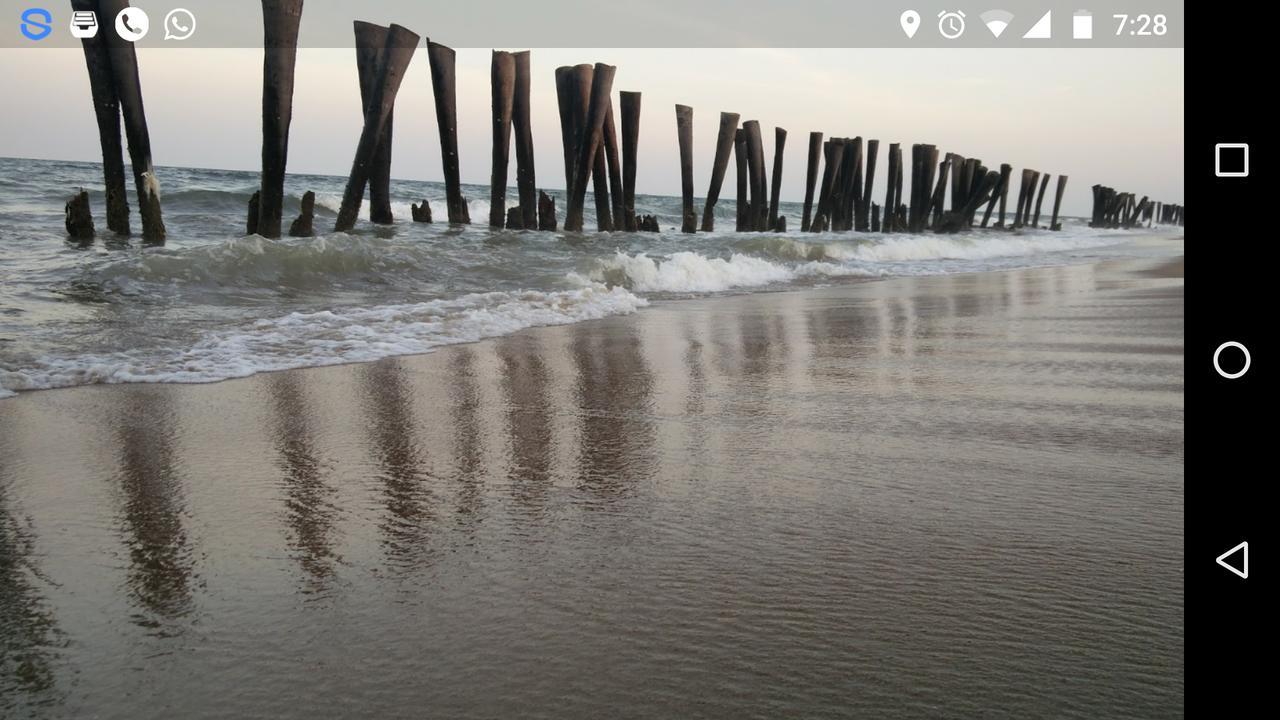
point(410, 380)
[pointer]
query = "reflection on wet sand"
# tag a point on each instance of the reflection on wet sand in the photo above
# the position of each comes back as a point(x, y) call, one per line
point(29, 635)
point(309, 510)
point(162, 568)
point(525, 379)
point(614, 391)
point(464, 415)
point(406, 492)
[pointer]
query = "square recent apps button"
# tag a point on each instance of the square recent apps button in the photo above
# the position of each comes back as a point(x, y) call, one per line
point(1231, 160)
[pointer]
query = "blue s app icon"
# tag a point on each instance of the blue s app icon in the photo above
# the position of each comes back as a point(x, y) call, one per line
point(37, 23)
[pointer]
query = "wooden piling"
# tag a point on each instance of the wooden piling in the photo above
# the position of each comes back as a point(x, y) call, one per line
point(998, 195)
point(899, 210)
point(502, 82)
point(106, 109)
point(546, 211)
point(684, 134)
point(1022, 198)
point(78, 218)
point(1044, 183)
point(758, 209)
point(886, 223)
point(304, 224)
point(444, 87)
point(400, 45)
point(724, 148)
point(873, 149)
point(255, 205)
point(564, 99)
point(600, 186)
point(1006, 177)
point(1031, 196)
point(811, 178)
point(779, 144)
point(515, 221)
point(521, 118)
point(740, 160)
point(370, 43)
point(128, 89)
point(600, 85)
point(849, 183)
point(834, 151)
point(615, 171)
point(939, 192)
point(629, 105)
point(854, 217)
point(420, 213)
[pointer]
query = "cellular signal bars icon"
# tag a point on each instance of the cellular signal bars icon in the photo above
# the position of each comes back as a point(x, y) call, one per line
point(1042, 30)
point(996, 20)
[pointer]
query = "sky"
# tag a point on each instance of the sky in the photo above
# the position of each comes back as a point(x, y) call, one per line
point(1109, 116)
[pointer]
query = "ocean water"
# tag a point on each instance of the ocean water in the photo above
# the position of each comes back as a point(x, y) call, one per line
point(214, 304)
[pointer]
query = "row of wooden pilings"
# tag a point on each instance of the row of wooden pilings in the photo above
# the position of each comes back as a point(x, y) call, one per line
point(1113, 209)
point(594, 151)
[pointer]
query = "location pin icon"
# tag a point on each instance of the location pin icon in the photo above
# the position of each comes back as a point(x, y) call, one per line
point(910, 23)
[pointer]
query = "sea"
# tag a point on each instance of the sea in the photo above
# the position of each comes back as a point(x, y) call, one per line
point(214, 303)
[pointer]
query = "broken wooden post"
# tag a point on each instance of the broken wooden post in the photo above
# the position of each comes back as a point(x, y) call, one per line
point(891, 180)
point(304, 224)
point(724, 147)
point(546, 211)
point(400, 44)
point(811, 178)
point(564, 99)
point(629, 104)
point(958, 186)
point(978, 173)
point(864, 223)
point(1044, 183)
point(251, 222)
point(834, 151)
point(1022, 198)
point(106, 109)
point(600, 184)
point(953, 222)
point(502, 77)
point(929, 154)
point(740, 159)
point(779, 143)
point(855, 216)
point(1006, 177)
point(600, 87)
point(515, 221)
point(1031, 196)
point(128, 89)
point(78, 218)
point(370, 43)
point(421, 213)
point(758, 209)
point(615, 170)
point(939, 193)
point(998, 195)
point(875, 217)
point(899, 211)
point(848, 185)
point(444, 87)
point(684, 134)
point(521, 117)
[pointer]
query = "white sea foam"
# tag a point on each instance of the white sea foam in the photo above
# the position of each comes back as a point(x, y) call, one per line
point(685, 272)
point(905, 248)
point(329, 337)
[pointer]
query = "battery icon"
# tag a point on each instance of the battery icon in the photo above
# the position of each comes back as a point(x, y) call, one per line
point(1082, 25)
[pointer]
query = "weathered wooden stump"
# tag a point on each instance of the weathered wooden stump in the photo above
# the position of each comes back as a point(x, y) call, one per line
point(304, 224)
point(779, 145)
point(1044, 183)
point(502, 80)
point(953, 222)
point(371, 41)
point(875, 217)
point(106, 109)
point(399, 46)
point(864, 223)
point(781, 224)
point(444, 86)
point(834, 151)
point(1022, 198)
point(740, 159)
point(892, 187)
point(684, 135)
point(78, 218)
point(855, 213)
point(255, 212)
point(629, 106)
point(546, 211)
point(996, 196)
point(515, 221)
point(421, 213)
point(649, 223)
point(758, 209)
point(724, 148)
point(616, 189)
point(811, 178)
point(936, 207)
point(600, 185)
point(521, 117)
point(597, 88)
point(128, 89)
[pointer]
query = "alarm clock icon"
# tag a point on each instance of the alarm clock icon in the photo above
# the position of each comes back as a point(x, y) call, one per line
point(951, 24)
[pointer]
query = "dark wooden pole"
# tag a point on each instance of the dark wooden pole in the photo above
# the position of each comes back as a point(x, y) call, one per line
point(779, 144)
point(78, 218)
point(740, 159)
point(600, 186)
point(370, 41)
point(128, 88)
point(1022, 197)
point(958, 186)
point(521, 117)
point(1005, 169)
point(936, 203)
point(891, 179)
point(502, 77)
point(400, 45)
point(629, 104)
point(759, 207)
point(811, 178)
point(615, 170)
point(304, 224)
point(684, 134)
point(724, 147)
point(856, 216)
point(834, 151)
point(444, 87)
point(1044, 183)
point(106, 109)
point(600, 87)
point(564, 98)
point(873, 149)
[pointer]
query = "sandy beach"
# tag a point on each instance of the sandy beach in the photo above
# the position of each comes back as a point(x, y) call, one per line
point(947, 496)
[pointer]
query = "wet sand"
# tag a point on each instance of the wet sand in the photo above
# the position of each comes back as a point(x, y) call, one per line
point(952, 496)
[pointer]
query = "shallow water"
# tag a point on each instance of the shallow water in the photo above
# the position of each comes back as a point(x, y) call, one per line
point(951, 496)
point(213, 304)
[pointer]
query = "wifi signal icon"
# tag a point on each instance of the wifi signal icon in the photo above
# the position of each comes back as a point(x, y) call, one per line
point(996, 20)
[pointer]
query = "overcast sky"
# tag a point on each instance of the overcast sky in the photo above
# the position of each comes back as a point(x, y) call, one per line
point(1101, 116)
